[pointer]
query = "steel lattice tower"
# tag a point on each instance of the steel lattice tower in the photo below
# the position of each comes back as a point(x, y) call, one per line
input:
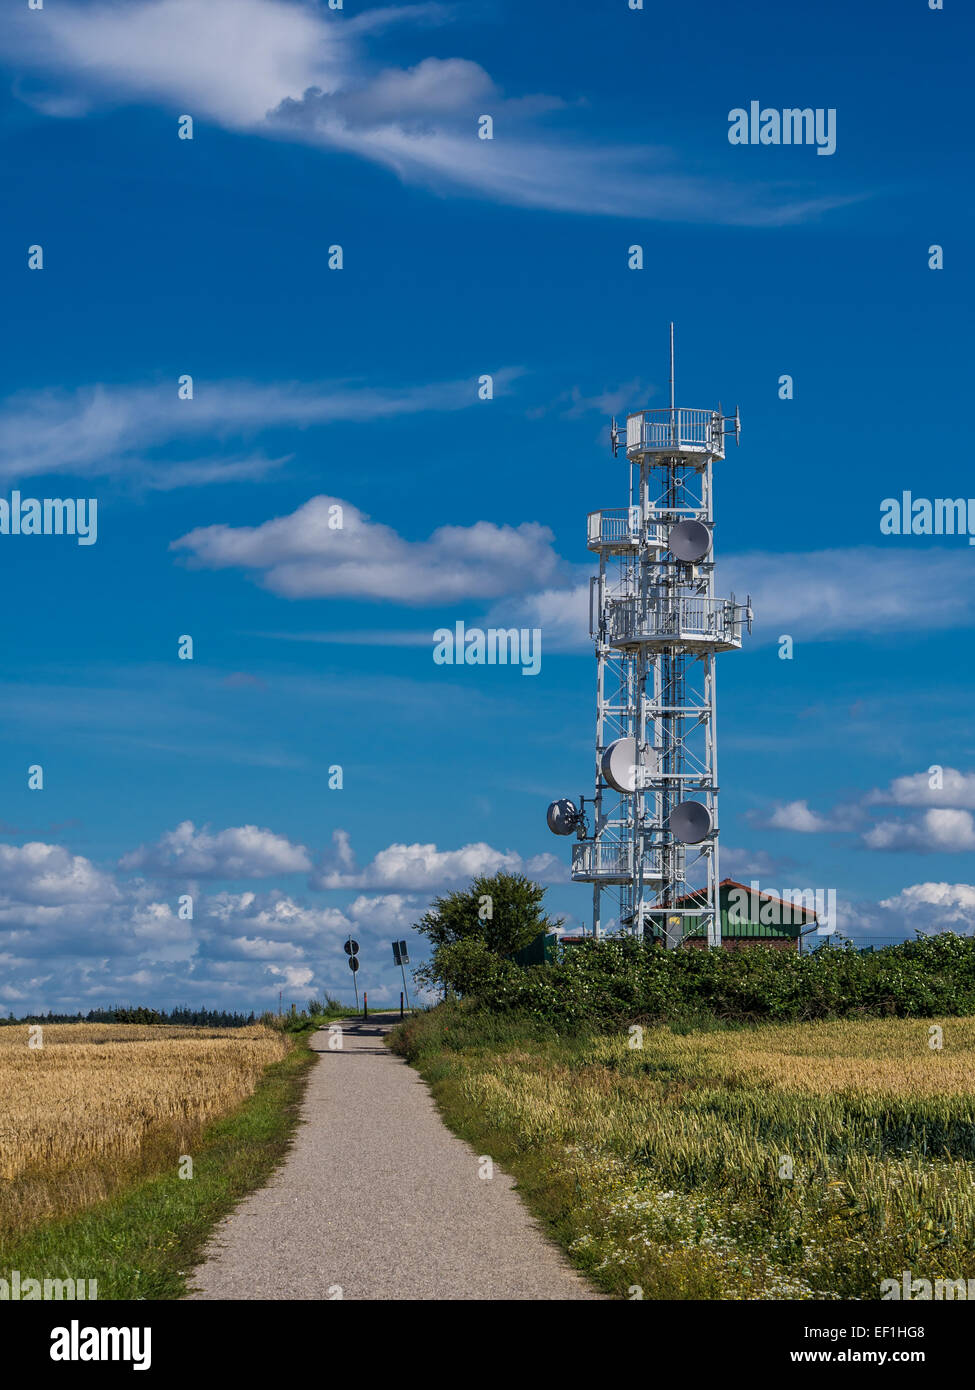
point(652, 844)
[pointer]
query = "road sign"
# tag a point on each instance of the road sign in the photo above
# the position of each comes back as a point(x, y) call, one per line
point(353, 963)
point(351, 947)
point(401, 957)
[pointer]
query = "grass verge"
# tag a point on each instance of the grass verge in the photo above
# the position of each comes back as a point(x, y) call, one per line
point(143, 1241)
point(792, 1161)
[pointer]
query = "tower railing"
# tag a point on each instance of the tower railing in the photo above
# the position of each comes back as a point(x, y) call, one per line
point(686, 620)
point(608, 861)
point(620, 527)
point(682, 430)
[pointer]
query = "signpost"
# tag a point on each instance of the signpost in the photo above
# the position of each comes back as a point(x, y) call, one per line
point(401, 956)
point(352, 951)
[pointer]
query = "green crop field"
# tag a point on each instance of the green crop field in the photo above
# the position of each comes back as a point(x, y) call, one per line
point(801, 1160)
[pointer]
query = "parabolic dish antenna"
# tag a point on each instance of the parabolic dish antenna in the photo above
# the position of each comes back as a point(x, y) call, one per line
point(689, 541)
point(690, 822)
point(562, 817)
point(620, 765)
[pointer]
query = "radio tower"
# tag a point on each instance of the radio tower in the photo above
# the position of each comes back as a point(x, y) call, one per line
point(649, 837)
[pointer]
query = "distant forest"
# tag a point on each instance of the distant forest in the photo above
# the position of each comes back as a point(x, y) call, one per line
point(196, 1018)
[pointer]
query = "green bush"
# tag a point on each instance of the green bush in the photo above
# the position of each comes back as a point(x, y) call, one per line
point(495, 916)
point(622, 979)
point(469, 967)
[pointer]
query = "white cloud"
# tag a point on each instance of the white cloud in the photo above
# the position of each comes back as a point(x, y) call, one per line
point(534, 169)
point(260, 948)
point(828, 594)
point(274, 915)
point(71, 935)
point(98, 430)
point(937, 831)
point(796, 815)
point(395, 911)
point(418, 866)
point(957, 789)
point(946, 827)
point(230, 60)
point(157, 931)
point(238, 852)
point(49, 879)
point(303, 556)
point(805, 595)
point(292, 976)
point(614, 401)
point(435, 86)
point(562, 613)
point(299, 71)
point(748, 864)
point(952, 903)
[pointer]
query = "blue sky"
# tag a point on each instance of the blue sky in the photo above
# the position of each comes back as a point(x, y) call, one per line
point(461, 257)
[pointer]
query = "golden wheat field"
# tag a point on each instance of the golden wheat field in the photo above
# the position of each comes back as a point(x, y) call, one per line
point(895, 1057)
point(95, 1102)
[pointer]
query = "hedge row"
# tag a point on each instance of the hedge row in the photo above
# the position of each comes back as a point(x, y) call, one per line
point(622, 980)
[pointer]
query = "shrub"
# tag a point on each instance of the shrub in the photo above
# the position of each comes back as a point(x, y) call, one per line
point(621, 979)
point(469, 967)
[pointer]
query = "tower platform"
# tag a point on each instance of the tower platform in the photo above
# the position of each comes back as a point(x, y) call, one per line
point(684, 432)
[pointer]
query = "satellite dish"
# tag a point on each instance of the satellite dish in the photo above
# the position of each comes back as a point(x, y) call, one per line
point(562, 817)
point(689, 541)
point(690, 822)
point(620, 765)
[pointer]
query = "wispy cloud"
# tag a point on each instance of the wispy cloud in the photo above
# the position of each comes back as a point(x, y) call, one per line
point(298, 71)
point(816, 596)
point(804, 595)
point(866, 590)
point(98, 430)
point(749, 864)
point(365, 637)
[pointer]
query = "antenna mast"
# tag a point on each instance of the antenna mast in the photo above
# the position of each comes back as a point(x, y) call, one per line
point(652, 845)
point(673, 423)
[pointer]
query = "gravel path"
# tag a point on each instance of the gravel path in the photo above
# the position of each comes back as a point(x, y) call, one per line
point(379, 1200)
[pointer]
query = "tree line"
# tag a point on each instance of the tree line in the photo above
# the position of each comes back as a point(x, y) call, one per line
point(183, 1016)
